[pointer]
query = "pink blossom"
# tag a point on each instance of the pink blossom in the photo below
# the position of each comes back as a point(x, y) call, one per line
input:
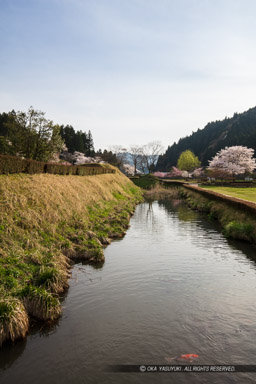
point(233, 160)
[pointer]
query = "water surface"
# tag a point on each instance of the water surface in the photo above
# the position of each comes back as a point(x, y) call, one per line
point(174, 285)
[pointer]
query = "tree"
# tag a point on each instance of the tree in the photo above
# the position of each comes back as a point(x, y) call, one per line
point(233, 161)
point(198, 172)
point(187, 161)
point(89, 146)
point(135, 153)
point(77, 141)
point(175, 172)
point(150, 155)
point(120, 153)
point(33, 136)
point(68, 134)
point(128, 169)
point(108, 157)
point(5, 146)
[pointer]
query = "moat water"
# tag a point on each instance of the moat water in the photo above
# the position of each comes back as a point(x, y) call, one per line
point(172, 286)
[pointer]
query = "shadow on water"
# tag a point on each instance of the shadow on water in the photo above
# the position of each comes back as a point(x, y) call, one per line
point(10, 352)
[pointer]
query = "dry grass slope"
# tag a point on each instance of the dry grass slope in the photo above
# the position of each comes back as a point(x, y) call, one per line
point(45, 220)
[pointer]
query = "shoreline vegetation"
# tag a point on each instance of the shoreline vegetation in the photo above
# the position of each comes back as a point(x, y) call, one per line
point(46, 223)
point(236, 216)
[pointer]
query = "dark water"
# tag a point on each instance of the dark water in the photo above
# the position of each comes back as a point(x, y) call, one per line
point(174, 285)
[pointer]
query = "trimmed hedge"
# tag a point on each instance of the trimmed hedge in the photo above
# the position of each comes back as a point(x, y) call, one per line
point(11, 164)
point(34, 166)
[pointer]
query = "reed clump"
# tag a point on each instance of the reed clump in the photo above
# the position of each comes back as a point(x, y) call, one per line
point(40, 303)
point(14, 321)
point(46, 221)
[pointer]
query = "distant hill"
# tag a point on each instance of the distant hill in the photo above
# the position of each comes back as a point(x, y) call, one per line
point(237, 130)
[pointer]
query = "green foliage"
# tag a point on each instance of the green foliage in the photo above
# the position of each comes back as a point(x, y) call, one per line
point(145, 181)
point(235, 222)
point(56, 169)
point(187, 161)
point(6, 310)
point(77, 141)
point(5, 146)
point(10, 164)
point(34, 166)
point(239, 230)
point(31, 135)
point(109, 157)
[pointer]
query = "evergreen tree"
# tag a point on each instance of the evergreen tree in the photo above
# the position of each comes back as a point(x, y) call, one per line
point(89, 151)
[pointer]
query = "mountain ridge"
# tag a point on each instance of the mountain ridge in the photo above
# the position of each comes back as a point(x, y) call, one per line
point(206, 142)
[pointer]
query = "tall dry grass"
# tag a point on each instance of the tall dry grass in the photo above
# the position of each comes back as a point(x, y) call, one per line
point(158, 192)
point(45, 219)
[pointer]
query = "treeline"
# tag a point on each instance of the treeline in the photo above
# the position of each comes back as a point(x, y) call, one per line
point(204, 143)
point(32, 136)
point(77, 141)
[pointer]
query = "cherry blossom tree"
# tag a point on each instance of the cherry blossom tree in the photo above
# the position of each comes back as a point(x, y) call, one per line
point(197, 172)
point(233, 160)
point(160, 174)
point(175, 172)
point(79, 158)
point(129, 169)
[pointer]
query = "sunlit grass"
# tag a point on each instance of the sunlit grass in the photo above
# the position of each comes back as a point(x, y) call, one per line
point(44, 220)
point(246, 193)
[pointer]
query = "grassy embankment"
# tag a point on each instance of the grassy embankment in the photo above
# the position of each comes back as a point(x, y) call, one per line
point(237, 221)
point(45, 221)
point(145, 181)
point(241, 193)
point(155, 189)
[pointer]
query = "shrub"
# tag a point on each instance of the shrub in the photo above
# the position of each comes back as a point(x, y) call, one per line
point(239, 230)
point(11, 164)
point(56, 169)
point(34, 166)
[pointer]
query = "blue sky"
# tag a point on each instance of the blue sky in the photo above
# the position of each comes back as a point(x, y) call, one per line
point(130, 71)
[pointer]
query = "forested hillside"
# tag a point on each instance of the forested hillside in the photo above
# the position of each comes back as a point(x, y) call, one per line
point(238, 130)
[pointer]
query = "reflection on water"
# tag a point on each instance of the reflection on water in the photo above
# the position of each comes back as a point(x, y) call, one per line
point(173, 286)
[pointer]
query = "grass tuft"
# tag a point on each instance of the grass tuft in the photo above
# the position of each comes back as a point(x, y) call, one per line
point(13, 319)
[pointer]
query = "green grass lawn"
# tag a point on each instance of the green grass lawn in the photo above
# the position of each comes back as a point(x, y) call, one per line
point(248, 193)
